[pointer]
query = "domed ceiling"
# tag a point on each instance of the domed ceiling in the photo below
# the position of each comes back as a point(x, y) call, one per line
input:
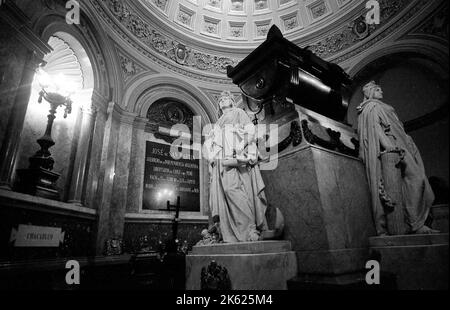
point(200, 38)
point(245, 22)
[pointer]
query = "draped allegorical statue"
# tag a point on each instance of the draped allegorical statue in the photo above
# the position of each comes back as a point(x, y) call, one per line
point(237, 200)
point(381, 133)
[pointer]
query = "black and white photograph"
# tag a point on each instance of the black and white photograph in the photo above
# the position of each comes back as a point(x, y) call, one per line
point(224, 152)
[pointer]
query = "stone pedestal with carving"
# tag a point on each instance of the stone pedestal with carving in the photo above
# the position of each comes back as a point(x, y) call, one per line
point(321, 188)
point(265, 265)
point(418, 261)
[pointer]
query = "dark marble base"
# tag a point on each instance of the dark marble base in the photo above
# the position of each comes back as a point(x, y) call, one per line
point(332, 261)
point(420, 262)
point(351, 281)
point(38, 182)
point(16, 209)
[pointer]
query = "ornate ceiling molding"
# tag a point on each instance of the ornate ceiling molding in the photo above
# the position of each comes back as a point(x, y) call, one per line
point(130, 66)
point(345, 42)
point(382, 31)
point(165, 46)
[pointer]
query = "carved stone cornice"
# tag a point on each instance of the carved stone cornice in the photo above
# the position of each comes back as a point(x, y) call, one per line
point(333, 144)
point(152, 47)
point(381, 34)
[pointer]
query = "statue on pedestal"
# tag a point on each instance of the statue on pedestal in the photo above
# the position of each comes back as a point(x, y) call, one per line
point(237, 200)
point(401, 194)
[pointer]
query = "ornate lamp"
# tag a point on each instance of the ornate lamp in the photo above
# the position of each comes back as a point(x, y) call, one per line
point(39, 179)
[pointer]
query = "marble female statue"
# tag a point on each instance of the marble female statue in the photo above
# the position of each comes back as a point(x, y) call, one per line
point(380, 132)
point(237, 200)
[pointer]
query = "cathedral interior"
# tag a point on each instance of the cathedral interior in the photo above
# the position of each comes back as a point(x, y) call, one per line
point(123, 80)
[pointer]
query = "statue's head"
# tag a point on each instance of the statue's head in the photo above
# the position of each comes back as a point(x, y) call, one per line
point(372, 91)
point(226, 100)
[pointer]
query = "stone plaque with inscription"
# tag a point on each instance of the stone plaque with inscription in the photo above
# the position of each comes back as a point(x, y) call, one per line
point(168, 175)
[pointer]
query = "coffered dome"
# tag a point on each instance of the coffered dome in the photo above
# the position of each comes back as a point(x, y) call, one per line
point(245, 22)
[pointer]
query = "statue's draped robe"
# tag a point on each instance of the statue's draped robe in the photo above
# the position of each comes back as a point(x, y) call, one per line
point(376, 118)
point(236, 193)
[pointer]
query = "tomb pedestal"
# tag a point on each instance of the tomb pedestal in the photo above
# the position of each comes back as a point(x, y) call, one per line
point(264, 265)
point(321, 188)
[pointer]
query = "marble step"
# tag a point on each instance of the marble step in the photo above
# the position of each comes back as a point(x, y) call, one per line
point(409, 240)
point(259, 247)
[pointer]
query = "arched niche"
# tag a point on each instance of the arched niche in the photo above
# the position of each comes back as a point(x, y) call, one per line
point(151, 97)
point(172, 157)
point(416, 85)
point(69, 61)
point(107, 84)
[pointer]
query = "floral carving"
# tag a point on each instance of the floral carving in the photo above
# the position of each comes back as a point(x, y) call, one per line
point(184, 18)
point(318, 10)
point(353, 32)
point(262, 30)
point(162, 4)
point(215, 3)
point(166, 46)
point(236, 31)
point(237, 5)
point(129, 67)
point(344, 37)
point(260, 4)
point(291, 23)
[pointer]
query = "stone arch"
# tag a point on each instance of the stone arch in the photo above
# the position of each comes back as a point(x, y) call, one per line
point(106, 82)
point(427, 49)
point(144, 91)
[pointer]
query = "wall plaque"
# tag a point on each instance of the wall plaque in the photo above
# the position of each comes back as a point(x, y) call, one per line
point(166, 177)
point(36, 236)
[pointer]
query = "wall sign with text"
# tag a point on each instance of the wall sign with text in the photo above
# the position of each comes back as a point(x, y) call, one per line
point(165, 178)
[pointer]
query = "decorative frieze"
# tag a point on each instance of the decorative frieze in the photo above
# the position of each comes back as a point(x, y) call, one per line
point(164, 45)
point(343, 38)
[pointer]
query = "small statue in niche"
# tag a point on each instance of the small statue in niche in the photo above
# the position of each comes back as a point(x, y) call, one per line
point(394, 167)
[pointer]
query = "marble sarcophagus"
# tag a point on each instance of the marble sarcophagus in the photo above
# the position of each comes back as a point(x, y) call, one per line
point(279, 69)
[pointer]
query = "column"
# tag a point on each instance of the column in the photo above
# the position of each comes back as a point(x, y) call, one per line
point(10, 145)
point(82, 155)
